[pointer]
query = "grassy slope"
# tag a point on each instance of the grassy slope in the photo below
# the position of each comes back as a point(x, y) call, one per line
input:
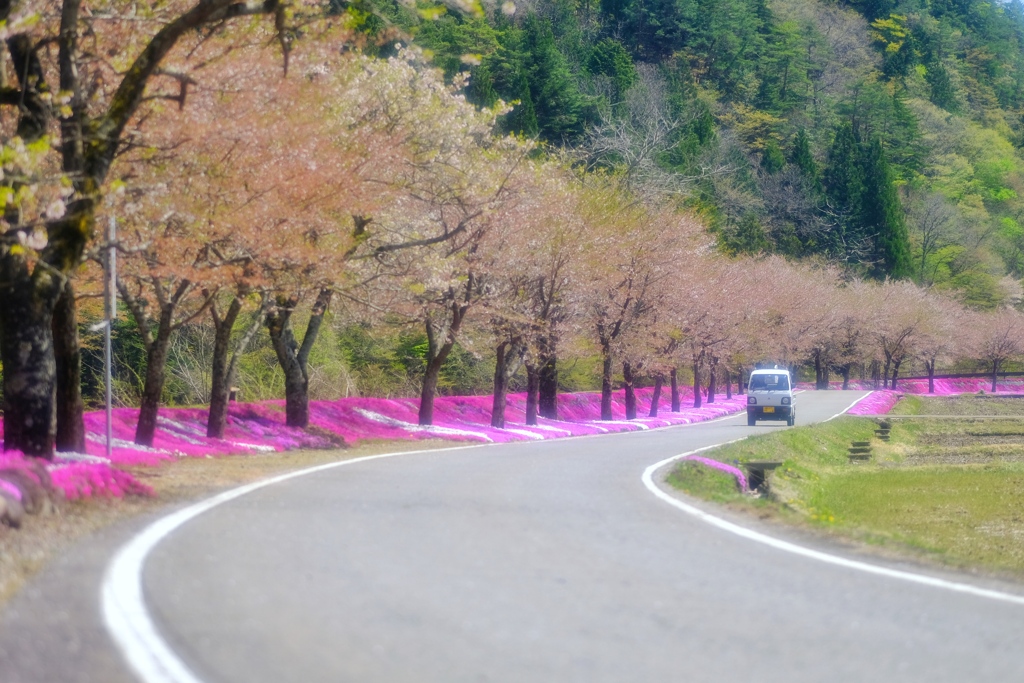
point(951, 490)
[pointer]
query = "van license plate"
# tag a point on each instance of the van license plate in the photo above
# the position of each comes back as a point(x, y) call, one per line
point(769, 409)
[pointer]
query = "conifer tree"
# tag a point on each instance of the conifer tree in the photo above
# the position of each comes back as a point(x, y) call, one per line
point(881, 215)
point(801, 157)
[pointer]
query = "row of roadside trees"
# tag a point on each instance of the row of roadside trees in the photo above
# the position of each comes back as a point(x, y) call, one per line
point(256, 198)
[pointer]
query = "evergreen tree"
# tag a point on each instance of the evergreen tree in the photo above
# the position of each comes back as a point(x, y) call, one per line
point(880, 215)
point(609, 58)
point(772, 160)
point(557, 101)
point(801, 157)
point(842, 175)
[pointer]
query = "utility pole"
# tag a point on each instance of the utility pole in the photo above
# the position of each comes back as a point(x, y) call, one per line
point(110, 302)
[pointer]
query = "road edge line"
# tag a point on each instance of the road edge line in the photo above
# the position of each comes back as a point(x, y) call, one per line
point(122, 602)
point(793, 548)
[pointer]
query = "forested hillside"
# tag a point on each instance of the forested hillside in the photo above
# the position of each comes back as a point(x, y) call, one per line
point(882, 135)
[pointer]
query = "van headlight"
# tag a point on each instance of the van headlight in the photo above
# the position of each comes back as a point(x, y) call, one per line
point(786, 400)
point(751, 400)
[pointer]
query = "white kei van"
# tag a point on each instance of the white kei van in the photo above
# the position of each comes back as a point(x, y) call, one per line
point(770, 397)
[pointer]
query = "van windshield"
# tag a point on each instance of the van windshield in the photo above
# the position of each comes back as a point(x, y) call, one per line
point(770, 382)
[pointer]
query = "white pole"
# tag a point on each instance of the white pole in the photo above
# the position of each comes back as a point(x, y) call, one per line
point(110, 299)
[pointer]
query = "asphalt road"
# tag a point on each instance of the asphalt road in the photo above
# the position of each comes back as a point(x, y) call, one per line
point(531, 562)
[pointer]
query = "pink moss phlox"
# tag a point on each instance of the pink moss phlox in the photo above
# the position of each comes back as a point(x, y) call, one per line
point(741, 478)
point(876, 403)
point(259, 427)
point(10, 489)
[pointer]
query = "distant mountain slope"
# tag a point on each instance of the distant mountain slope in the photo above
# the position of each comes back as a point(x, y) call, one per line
point(882, 135)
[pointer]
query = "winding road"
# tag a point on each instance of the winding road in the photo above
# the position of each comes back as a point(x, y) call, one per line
point(530, 562)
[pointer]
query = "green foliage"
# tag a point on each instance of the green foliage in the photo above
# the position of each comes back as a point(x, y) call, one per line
point(703, 481)
point(610, 58)
point(880, 215)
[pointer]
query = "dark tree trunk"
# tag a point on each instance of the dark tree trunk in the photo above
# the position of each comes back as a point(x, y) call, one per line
point(440, 342)
point(885, 372)
point(68, 356)
point(224, 369)
point(712, 381)
point(728, 384)
point(674, 386)
point(995, 375)
point(895, 372)
point(606, 385)
point(29, 369)
point(429, 389)
point(156, 362)
point(627, 385)
point(549, 387)
point(532, 391)
point(156, 349)
point(500, 387)
point(874, 374)
point(220, 381)
point(846, 376)
point(821, 371)
point(697, 399)
point(930, 366)
point(659, 381)
point(293, 358)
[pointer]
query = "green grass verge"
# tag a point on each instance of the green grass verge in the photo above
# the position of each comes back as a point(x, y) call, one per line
point(704, 482)
point(947, 489)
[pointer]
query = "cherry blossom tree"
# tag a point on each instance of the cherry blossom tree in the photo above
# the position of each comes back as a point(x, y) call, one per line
point(998, 337)
point(440, 240)
point(74, 110)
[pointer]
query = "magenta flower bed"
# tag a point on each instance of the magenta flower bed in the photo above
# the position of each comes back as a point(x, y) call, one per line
point(259, 427)
point(876, 403)
point(741, 478)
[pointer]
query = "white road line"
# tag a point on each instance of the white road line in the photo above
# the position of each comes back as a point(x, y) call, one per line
point(786, 546)
point(847, 408)
point(121, 594)
point(153, 661)
point(123, 603)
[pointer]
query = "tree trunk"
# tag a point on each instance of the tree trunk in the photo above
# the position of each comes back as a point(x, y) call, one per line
point(429, 389)
point(885, 373)
point(532, 390)
point(293, 358)
point(440, 342)
point(500, 387)
point(220, 391)
point(874, 374)
point(697, 401)
point(659, 380)
point(930, 366)
point(29, 369)
point(995, 375)
point(548, 398)
point(220, 381)
point(728, 384)
point(156, 362)
point(895, 372)
point(606, 385)
point(846, 377)
point(712, 381)
point(67, 353)
point(627, 384)
point(674, 386)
